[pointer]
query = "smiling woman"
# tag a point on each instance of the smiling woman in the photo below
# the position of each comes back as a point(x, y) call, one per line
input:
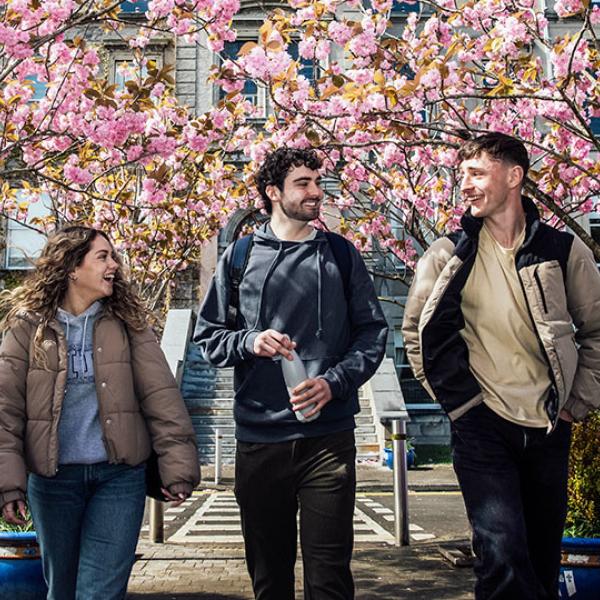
point(85, 388)
point(93, 279)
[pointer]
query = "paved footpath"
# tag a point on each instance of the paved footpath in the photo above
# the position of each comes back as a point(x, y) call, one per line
point(203, 556)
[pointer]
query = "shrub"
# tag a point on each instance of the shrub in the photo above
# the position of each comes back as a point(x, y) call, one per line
point(583, 517)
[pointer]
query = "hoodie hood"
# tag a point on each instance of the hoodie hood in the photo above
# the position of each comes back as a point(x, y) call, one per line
point(71, 322)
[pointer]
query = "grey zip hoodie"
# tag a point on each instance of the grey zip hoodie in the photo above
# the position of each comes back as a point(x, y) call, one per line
point(295, 288)
point(79, 430)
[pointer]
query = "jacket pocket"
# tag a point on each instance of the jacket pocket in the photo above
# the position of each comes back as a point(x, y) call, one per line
point(550, 287)
point(568, 358)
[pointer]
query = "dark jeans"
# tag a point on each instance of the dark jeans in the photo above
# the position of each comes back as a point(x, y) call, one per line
point(88, 519)
point(514, 483)
point(271, 481)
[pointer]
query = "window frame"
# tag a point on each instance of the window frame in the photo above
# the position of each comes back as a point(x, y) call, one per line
point(13, 226)
point(118, 55)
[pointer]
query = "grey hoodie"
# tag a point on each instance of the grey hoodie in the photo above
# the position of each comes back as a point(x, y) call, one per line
point(79, 431)
point(295, 288)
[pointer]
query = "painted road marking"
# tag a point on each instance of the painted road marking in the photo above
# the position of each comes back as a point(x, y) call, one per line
point(170, 514)
point(214, 522)
point(417, 533)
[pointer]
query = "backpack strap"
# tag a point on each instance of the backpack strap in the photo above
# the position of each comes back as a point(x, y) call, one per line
point(237, 266)
point(341, 252)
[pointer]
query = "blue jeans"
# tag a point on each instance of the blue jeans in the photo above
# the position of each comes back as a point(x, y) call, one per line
point(272, 481)
point(514, 484)
point(88, 518)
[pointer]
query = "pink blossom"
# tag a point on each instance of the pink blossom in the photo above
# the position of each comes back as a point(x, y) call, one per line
point(340, 33)
point(364, 44)
point(567, 8)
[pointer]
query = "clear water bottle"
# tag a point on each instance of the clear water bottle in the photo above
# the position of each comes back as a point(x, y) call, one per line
point(294, 374)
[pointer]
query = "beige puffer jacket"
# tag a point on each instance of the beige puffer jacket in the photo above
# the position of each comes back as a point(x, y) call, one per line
point(561, 285)
point(139, 404)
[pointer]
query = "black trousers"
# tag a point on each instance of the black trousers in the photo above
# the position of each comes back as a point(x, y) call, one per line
point(514, 484)
point(317, 475)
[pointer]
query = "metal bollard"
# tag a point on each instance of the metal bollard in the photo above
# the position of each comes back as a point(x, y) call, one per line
point(157, 526)
point(400, 483)
point(217, 456)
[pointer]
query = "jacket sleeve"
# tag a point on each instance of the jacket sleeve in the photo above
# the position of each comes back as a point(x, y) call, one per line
point(14, 364)
point(368, 334)
point(222, 347)
point(164, 411)
point(583, 303)
point(428, 269)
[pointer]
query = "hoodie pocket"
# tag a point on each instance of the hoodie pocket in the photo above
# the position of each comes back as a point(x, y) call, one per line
point(263, 387)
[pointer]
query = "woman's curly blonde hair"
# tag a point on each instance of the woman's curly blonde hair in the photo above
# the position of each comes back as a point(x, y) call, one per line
point(44, 289)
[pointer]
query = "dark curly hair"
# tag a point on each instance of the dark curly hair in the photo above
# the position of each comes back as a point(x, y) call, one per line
point(277, 165)
point(499, 146)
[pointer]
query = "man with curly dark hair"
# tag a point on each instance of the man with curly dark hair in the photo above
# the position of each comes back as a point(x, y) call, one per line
point(308, 293)
point(276, 167)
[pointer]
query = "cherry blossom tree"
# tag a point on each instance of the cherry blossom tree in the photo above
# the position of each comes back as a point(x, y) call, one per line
point(388, 103)
point(129, 160)
point(392, 101)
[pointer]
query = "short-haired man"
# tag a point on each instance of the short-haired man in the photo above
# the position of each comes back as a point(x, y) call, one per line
point(294, 295)
point(502, 326)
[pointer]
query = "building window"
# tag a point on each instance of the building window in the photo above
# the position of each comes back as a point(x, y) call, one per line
point(403, 369)
point(135, 7)
point(309, 68)
point(125, 68)
point(128, 70)
point(24, 244)
point(251, 91)
point(255, 92)
point(406, 7)
point(398, 7)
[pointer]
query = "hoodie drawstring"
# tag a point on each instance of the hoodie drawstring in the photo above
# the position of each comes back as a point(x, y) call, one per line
point(319, 295)
point(318, 258)
point(85, 371)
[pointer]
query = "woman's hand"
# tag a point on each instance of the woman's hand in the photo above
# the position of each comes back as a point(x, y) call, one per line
point(175, 499)
point(15, 512)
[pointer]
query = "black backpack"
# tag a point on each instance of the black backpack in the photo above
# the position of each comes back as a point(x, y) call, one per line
point(239, 261)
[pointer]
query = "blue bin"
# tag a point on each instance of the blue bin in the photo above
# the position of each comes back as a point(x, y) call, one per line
point(388, 459)
point(580, 569)
point(21, 567)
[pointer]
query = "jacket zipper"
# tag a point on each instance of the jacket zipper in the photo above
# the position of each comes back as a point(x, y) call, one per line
point(541, 289)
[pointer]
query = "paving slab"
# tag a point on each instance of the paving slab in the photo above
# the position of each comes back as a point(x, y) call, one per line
point(206, 570)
